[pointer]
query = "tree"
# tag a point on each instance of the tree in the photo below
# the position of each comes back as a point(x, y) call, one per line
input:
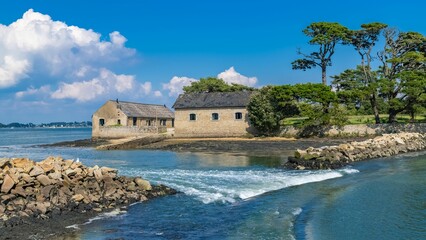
point(315, 94)
point(269, 106)
point(325, 35)
point(212, 84)
point(402, 71)
point(262, 113)
point(364, 40)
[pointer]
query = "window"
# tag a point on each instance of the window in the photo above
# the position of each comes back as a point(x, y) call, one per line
point(148, 122)
point(101, 122)
point(119, 122)
point(135, 121)
point(164, 122)
point(192, 117)
point(215, 116)
point(238, 116)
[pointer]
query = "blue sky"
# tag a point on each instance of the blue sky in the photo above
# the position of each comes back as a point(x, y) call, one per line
point(61, 60)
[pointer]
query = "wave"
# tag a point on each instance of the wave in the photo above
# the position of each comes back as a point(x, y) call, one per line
point(114, 213)
point(233, 185)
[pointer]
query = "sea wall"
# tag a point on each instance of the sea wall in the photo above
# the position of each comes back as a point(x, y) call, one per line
point(355, 130)
point(331, 157)
point(55, 187)
point(125, 131)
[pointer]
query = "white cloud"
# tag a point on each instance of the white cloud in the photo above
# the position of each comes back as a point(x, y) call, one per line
point(146, 88)
point(37, 45)
point(81, 91)
point(106, 83)
point(124, 82)
point(12, 70)
point(34, 91)
point(158, 94)
point(232, 76)
point(176, 84)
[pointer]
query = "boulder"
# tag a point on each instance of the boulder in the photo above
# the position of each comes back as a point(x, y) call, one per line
point(44, 180)
point(36, 171)
point(8, 184)
point(143, 184)
point(77, 198)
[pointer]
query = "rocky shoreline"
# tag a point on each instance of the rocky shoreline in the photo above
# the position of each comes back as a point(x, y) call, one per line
point(332, 157)
point(33, 193)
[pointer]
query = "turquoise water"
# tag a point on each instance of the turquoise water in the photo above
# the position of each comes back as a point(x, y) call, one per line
point(238, 196)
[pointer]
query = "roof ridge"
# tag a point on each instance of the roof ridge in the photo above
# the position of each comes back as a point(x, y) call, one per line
point(153, 104)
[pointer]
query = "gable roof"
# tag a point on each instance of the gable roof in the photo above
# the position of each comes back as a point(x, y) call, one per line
point(212, 100)
point(132, 109)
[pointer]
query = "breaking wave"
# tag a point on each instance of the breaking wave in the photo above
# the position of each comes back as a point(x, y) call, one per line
point(233, 185)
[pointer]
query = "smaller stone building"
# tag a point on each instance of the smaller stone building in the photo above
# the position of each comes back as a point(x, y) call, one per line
point(214, 114)
point(117, 119)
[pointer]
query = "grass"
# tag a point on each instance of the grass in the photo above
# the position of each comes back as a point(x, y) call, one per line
point(361, 119)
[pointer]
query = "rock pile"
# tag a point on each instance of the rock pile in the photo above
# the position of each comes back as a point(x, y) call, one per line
point(57, 186)
point(331, 157)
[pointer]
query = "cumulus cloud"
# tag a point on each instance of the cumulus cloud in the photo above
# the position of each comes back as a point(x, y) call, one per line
point(232, 76)
point(12, 70)
point(81, 91)
point(106, 83)
point(158, 94)
point(36, 44)
point(176, 84)
point(146, 88)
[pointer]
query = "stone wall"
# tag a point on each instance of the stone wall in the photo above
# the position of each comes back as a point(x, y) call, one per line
point(205, 126)
point(111, 114)
point(123, 131)
point(330, 157)
point(359, 129)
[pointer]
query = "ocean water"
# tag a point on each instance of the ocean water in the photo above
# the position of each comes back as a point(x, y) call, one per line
point(239, 196)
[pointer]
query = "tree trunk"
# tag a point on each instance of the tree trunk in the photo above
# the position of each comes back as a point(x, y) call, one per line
point(412, 116)
point(375, 109)
point(392, 116)
point(324, 75)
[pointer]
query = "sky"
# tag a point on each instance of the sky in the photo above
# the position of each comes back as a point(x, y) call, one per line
point(61, 60)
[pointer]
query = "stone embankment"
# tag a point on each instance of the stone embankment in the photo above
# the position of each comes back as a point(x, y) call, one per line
point(55, 186)
point(332, 157)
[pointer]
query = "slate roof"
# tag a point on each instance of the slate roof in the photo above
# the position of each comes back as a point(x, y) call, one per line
point(212, 100)
point(132, 109)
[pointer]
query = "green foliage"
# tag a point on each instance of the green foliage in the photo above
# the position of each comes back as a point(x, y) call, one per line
point(403, 71)
point(325, 35)
point(272, 104)
point(212, 84)
point(262, 113)
point(314, 93)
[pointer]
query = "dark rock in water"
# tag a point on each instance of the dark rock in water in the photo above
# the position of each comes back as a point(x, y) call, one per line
point(55, 188)
point(332, 157)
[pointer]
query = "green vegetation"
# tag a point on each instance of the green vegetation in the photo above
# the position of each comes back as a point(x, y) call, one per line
point(325, 35)
point(212, 84)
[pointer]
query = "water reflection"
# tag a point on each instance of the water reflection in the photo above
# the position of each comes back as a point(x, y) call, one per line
point(208, 160)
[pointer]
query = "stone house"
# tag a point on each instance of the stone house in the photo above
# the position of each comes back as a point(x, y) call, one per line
point(214, 114)
point(117, 119)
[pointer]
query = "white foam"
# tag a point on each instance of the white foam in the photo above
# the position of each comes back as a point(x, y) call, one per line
point(228, 186)
point(296, 211)
point(113, 213)
point(349, 170)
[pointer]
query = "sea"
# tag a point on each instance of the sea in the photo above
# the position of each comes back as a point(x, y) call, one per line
point(240, 196)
